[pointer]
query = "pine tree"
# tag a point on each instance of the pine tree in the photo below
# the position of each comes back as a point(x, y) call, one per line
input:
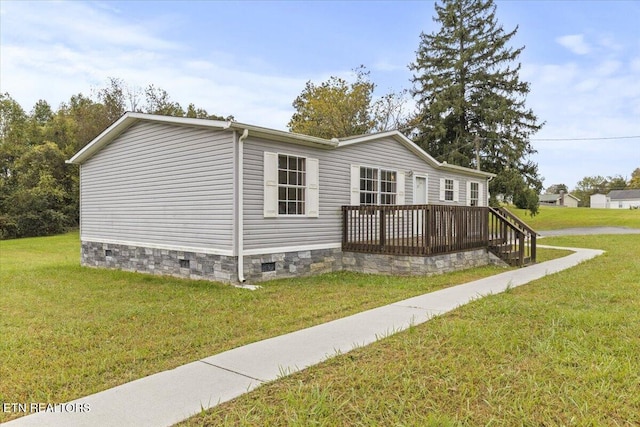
point(470, 100)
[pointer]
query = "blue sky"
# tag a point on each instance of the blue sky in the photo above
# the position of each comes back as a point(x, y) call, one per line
point(251, 59)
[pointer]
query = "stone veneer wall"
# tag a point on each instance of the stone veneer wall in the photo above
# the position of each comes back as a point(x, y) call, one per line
point(416, 265)
point(161, 261)
point(293, 264)
point(287, 264)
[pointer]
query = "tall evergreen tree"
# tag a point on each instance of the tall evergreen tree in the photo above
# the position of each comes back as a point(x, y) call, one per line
point(470, 99)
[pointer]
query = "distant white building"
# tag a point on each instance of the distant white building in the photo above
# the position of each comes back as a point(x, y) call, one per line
point(617, 199)
point(599, 201)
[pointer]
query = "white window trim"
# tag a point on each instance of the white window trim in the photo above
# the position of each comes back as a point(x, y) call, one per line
point(456, 190)
point(271, 185)
point(355, 184)
point(480, 193)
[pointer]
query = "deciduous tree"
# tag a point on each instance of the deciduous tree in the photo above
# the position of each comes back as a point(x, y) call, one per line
point(335, 108)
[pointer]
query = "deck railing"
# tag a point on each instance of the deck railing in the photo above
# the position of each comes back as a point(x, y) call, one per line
point(414, 229)
point(421, 230)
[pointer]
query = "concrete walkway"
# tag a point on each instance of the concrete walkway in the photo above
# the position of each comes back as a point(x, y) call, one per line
point(171, 396)
point(580, 231)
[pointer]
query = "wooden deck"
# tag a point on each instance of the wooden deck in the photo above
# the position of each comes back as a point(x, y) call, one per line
point(423, 230)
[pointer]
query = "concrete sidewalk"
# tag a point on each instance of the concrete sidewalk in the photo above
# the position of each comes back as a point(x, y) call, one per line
point(171, 396)
point(583, 231)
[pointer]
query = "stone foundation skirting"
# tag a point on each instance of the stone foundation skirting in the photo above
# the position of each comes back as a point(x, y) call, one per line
point(192, 265)
point(222, 268)
point(416, 265)
point(292, 264)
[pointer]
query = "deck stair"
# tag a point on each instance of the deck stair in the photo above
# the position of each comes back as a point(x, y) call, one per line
point(511, 239)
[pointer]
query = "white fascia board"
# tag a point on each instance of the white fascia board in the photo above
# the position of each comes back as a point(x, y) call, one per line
point(129, 118)
point(468, 171)
point(283, 136)
point(365, 138)
point(412, 146)
point(105, 137)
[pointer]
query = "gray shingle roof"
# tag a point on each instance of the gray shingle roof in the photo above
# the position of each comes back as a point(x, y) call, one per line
point(549, 197)
point(624, 194)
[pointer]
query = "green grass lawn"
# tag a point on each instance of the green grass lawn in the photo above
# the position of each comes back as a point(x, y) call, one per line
point(68, 331)
point(550, 218)
point(563, 350)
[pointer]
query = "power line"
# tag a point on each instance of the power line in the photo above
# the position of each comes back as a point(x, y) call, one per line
point(587, 139)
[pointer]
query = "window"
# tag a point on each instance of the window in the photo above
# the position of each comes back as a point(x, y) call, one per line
point(448, 190)
point(474, 193)
point(387, 187)
point(291, 185)
point(368, 186)
point(377, 186)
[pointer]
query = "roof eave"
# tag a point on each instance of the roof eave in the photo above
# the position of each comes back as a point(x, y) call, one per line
point(279, 135)
point(129, 118)
point(412, 146)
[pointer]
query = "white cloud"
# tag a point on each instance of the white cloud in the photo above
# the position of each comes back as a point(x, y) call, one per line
point(66, 56)
point(575, 43)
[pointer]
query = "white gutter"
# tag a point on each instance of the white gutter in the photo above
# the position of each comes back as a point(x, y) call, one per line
point(489, 179)
point(240, 205)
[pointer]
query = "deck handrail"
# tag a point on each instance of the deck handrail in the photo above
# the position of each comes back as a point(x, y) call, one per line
point(524, 242)
point(513, 218)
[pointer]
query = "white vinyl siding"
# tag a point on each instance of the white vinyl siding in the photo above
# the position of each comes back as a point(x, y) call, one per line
point(160, 184)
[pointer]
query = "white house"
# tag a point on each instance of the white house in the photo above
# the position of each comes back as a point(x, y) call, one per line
point(623, 199)
point(230, 201)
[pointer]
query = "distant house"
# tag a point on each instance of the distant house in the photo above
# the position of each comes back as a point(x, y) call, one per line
point(562, 199)
point(617, 199)
point(229, 201)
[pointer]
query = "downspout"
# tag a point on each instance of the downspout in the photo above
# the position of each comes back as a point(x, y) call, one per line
point(240, 205)
point(489, 179)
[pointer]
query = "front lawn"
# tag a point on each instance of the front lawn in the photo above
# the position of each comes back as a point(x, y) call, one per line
point(69, 331)
point(550, 218)
point(562, 350)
